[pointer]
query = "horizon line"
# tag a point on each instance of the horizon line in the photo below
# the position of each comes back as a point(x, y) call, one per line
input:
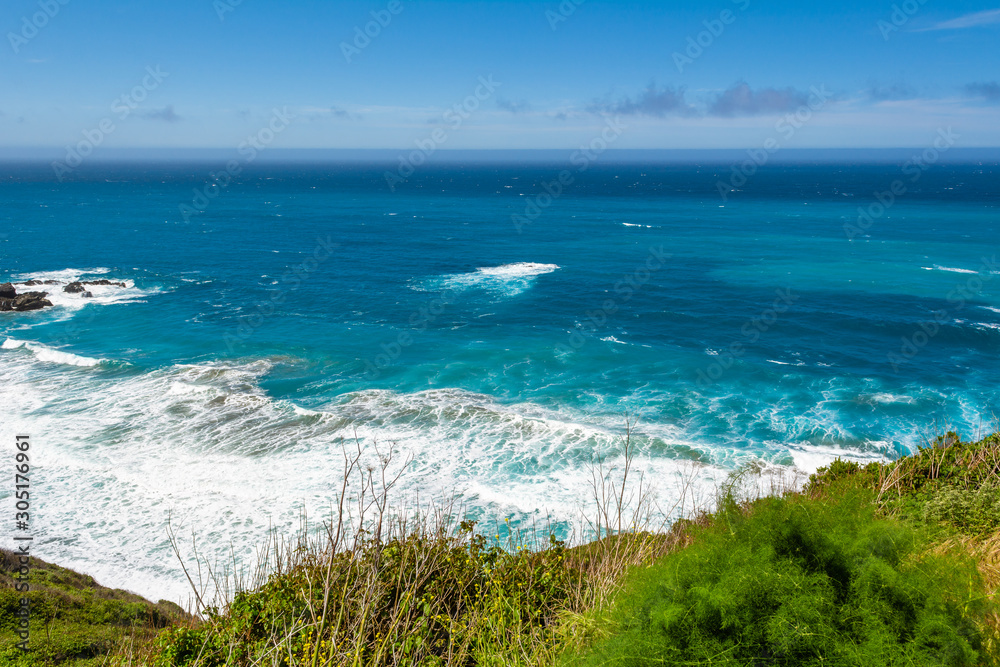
point(48, 154)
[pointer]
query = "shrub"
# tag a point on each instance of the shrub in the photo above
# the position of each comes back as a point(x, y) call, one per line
point(799, 582)
point(422, 599)
point(975, 512)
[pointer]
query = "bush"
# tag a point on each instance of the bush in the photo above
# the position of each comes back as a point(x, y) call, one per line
point(975, 512)
point(419, 600)
point(799, 582)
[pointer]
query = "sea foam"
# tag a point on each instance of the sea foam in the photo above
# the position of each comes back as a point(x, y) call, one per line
point(205, 446)
point(66, 303)
point(48, 354)
point(506, 280)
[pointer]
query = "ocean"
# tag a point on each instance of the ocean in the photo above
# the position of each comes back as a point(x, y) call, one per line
point(493, 321)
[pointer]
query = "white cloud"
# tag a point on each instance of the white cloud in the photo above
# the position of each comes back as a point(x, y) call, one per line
point(987, 17)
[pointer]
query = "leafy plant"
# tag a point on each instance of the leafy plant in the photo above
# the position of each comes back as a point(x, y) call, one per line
point(798, 582)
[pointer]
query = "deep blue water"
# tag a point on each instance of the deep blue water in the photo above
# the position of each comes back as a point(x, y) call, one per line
point(309, 302)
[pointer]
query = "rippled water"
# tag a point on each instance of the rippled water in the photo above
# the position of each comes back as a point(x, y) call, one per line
point(309, 303)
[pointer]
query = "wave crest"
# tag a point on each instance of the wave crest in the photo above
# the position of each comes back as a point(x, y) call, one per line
point(52, 355)
point(506, 280)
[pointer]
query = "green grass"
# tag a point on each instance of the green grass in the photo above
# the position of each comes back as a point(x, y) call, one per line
point(74, 621)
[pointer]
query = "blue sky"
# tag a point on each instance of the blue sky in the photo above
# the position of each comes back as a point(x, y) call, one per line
point(888, 74)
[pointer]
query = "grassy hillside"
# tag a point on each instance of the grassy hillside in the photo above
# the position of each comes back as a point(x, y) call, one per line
point(74, 620)
point(868, 565)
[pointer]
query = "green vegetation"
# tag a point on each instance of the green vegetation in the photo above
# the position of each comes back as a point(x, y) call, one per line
point(800, 582)
point(74, 621)
point(883, 564)
point(951, 482)
point(426, 599)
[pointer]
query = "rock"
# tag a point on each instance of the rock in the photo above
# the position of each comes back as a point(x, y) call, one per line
point(52, 282)
point(87, 295)
point(32, 283)
point(102, 281)
point(31, 301)
point(74, 288)
point(25, 302)
point(7, 291)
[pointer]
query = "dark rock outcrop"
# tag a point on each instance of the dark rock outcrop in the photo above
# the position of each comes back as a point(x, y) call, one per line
point(102, 281)
point(25, 302)
point(10, 300)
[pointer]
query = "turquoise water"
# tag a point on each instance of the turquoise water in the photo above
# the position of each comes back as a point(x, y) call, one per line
point(309, 302)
